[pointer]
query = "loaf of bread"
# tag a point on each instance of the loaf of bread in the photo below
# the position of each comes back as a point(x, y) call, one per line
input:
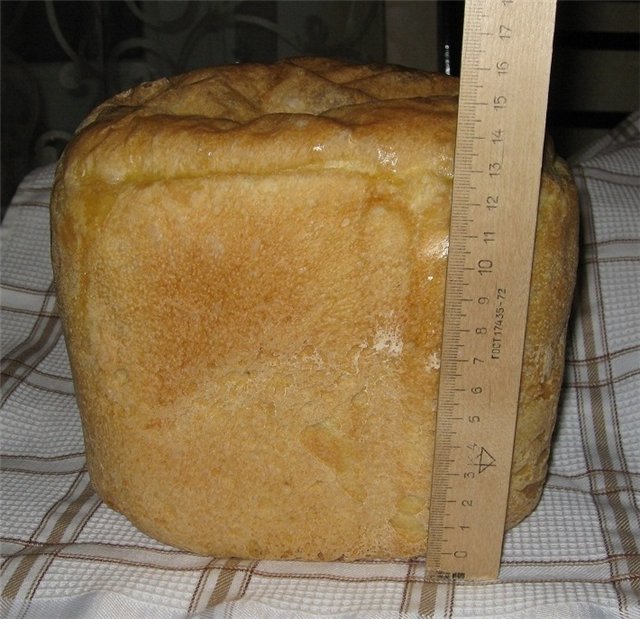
point(250, 265)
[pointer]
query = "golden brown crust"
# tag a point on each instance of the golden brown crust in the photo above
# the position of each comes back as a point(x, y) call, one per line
point(250, 264)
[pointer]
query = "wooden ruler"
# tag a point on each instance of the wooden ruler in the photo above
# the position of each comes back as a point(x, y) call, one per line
point(506, 58)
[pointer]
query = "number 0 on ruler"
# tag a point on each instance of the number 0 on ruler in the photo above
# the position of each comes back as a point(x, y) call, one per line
point(504, 84)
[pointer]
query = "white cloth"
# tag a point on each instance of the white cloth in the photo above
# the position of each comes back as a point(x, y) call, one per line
point(65, 554)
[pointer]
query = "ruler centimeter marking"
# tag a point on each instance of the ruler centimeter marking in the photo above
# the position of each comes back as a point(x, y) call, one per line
point(504, 84)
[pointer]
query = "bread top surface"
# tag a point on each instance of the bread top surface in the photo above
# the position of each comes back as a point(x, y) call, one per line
point(243, 92)
point(208, 120)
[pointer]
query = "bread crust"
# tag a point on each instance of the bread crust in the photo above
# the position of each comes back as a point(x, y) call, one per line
point(250, 266)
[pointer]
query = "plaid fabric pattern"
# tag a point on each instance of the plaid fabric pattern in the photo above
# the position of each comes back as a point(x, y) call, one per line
point(65, 554)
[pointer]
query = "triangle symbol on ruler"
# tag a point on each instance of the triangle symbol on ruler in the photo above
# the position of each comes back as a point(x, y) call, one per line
point(485, 460)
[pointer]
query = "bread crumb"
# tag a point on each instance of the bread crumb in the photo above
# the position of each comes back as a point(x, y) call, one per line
point(433, 362)
point(389, 340)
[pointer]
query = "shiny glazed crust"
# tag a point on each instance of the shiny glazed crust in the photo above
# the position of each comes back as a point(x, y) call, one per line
point(250, 265)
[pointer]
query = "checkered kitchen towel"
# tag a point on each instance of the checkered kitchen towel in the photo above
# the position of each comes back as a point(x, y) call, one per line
point(65, 554)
